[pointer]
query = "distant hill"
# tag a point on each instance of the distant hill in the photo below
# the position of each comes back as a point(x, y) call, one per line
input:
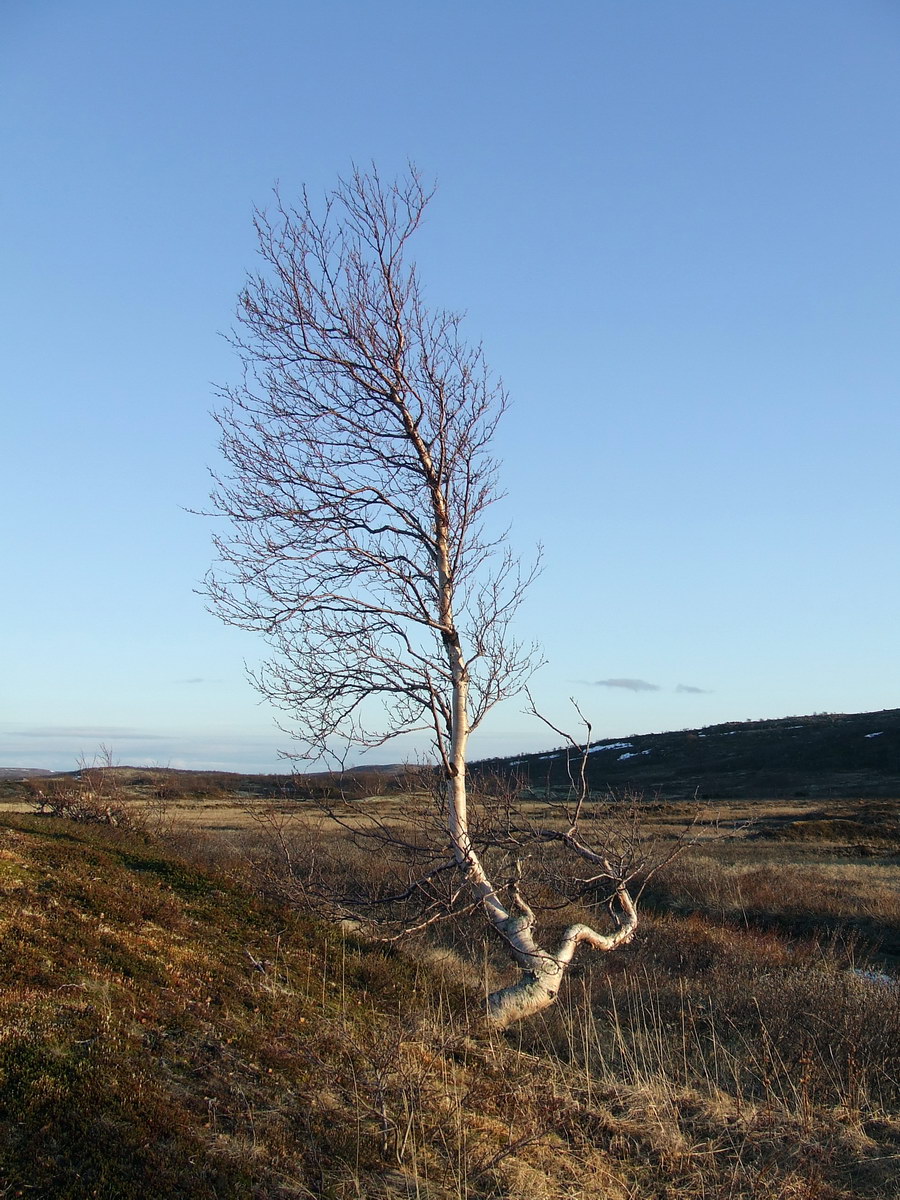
point(820, 756)
point(816, 757)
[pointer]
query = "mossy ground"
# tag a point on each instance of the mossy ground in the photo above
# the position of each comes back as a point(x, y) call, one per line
point(162, 1028)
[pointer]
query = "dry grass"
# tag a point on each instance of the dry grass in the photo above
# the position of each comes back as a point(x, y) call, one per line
point(168, 1030)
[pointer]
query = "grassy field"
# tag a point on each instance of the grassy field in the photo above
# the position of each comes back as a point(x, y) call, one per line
point(176, 1024)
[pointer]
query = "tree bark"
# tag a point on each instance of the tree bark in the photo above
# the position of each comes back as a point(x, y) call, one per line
point(543, 971)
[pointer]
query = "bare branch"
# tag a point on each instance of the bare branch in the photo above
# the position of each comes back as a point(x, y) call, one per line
point(357, 492)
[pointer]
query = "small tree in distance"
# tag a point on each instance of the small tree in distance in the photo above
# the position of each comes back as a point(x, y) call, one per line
point(360, 477)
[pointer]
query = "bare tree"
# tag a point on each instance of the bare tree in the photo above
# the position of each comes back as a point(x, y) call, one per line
point(359, 487)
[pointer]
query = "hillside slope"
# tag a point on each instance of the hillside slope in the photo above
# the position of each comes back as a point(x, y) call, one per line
point(821, 756)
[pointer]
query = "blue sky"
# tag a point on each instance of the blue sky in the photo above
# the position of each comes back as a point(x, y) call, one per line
point(673, 226)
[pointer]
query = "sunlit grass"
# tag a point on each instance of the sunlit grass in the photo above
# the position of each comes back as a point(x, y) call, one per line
point(170, 1028)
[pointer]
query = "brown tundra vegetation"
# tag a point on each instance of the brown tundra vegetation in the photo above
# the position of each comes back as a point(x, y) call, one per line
point(178, 1020)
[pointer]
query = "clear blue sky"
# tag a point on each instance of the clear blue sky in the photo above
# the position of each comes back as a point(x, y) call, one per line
point(676, 229)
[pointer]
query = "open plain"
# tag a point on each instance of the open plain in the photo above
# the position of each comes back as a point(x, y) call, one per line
point(177, 1011)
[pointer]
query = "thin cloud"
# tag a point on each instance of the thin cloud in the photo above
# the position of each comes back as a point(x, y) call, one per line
point(628, 685)
point(686, 689)
point(86, 732)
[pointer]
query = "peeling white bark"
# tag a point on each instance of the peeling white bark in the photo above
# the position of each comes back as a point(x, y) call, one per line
point(543, 970)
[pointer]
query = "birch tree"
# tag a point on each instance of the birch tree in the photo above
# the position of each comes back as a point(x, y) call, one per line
point(361, 541)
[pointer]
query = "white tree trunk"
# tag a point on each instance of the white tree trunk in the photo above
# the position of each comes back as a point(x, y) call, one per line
point(543, 970)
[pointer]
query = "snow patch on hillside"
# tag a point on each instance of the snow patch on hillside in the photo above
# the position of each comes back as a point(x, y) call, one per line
point(611, 746)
